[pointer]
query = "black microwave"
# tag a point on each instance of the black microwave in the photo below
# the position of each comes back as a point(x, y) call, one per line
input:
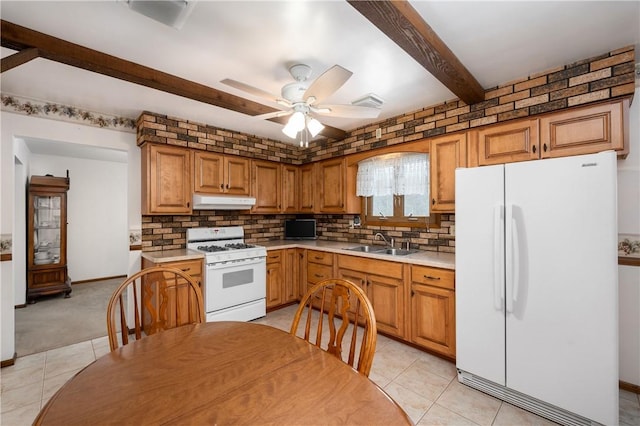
point(300, 229)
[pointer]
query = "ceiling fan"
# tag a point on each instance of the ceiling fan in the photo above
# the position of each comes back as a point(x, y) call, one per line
point(302, 100)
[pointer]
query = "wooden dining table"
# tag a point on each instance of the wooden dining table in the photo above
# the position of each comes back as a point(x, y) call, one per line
point(220, 373)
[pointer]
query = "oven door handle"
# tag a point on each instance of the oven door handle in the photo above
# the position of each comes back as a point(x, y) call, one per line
point(237, 262)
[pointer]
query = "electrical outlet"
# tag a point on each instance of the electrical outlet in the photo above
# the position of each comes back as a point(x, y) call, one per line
point(378, 133)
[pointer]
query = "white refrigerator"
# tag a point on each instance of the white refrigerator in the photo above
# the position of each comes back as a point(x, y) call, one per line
point(537, 285)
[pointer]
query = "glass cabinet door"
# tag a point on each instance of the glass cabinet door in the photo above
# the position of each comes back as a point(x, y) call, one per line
point(46, 226)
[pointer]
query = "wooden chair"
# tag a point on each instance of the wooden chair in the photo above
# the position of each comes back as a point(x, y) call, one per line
point(163, 298)
point(339, 301)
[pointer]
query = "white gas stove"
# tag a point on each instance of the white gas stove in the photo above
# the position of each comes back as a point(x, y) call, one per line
point(235, 273)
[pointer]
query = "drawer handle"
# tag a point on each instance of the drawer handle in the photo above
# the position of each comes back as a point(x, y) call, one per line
point(319, 276)
point(185, 269)
point(429, 277)
point(318, 258)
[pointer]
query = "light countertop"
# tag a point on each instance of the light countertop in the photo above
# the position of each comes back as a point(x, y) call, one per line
point(176, 255)
point(424, 258)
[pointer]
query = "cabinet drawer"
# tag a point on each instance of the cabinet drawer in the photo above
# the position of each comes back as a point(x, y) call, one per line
point(322, 257)
point(317, 273)
point(371, 266)
point(432, 276)
point(274, 256)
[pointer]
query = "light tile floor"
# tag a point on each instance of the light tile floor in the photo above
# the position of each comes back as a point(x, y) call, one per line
point(424, 385)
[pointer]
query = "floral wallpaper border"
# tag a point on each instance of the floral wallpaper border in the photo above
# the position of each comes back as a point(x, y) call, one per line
point(629, 245)
point(65, 113)
point(135, 238)
point(6, 243)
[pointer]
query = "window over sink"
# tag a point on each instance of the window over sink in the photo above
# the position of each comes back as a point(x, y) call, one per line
point(395, 189)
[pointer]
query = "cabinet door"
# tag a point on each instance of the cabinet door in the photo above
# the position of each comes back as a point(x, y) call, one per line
point(387, 298)
point(291, 275)
point(289, 189)
point(359, 279)
point(166, 185)
point(266, 186)
point(155, 301)
point(506, 143)
point(433, 318)
point(584, 130)
point(445, 155)
point(275, 277)
point(208, 172)
point(236, 176)
point(307, 187)
point(331, 176)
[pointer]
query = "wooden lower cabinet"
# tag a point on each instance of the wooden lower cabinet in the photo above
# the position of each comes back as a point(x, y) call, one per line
point(383, 283)
point(191, 267)
point(433, 309)
point(275, 278)
point(291, 276)
point(282, 277)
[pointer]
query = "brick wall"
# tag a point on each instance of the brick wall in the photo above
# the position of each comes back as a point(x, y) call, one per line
point(607, 76)
point(169, 232)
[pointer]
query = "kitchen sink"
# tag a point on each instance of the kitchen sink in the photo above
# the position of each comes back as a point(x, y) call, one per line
point(382, 250)
point(397, 252)
point(366, 249)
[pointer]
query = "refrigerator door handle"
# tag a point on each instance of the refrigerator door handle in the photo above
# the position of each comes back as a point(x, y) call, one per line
point(498, 258)
point(516, 261)
point(510, 256)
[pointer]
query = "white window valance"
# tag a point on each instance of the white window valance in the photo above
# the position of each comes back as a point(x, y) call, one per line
point(396, 174)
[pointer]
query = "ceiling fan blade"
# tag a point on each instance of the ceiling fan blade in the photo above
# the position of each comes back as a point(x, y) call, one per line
point(271, 115)
point(348, 111)
point(325, 85)
point(255, 91)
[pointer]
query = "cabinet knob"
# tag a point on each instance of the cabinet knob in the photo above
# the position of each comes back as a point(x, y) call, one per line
point(227, 186)
point(221, 186)
point(544, 147)
point(433, 201)
point(534, 149)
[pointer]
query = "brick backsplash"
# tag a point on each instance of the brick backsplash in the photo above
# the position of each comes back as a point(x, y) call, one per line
point(169, 232)
point(607, 76)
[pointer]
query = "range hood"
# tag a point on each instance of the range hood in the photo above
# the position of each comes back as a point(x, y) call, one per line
point(222, 202)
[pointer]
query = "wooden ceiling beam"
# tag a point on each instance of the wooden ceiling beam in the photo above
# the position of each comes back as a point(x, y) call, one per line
point(19, 38)
point(402, 24)
point(18, 59)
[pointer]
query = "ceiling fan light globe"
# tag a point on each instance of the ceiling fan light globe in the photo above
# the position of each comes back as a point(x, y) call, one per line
point(314, 127)
point(290, 131)
point(296, 121)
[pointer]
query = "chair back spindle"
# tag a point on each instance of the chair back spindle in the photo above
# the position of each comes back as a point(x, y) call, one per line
point(348, 315)
point(162, 298)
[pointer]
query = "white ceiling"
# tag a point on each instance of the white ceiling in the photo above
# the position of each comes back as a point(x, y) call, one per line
point(255, 42)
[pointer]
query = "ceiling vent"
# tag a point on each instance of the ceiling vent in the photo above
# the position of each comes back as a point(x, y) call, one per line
point(370, 100)
point(173, 13)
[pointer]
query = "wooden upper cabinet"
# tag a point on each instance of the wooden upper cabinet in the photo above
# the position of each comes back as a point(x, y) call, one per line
point(505, 143)
point(446, 153)
point(337, 192)
point(166, 179)
point(266, 186)
point(585, 130)
point(306, 188)
point(220, 174)
point(290, 203)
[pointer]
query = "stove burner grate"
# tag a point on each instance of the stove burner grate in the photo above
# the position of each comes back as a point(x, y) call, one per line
point(212, 248)
point(238, 246)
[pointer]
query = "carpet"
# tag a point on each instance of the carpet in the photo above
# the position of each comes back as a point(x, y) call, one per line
point(53, 321)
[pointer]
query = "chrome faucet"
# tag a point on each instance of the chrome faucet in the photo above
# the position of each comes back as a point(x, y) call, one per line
point(390, 244)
